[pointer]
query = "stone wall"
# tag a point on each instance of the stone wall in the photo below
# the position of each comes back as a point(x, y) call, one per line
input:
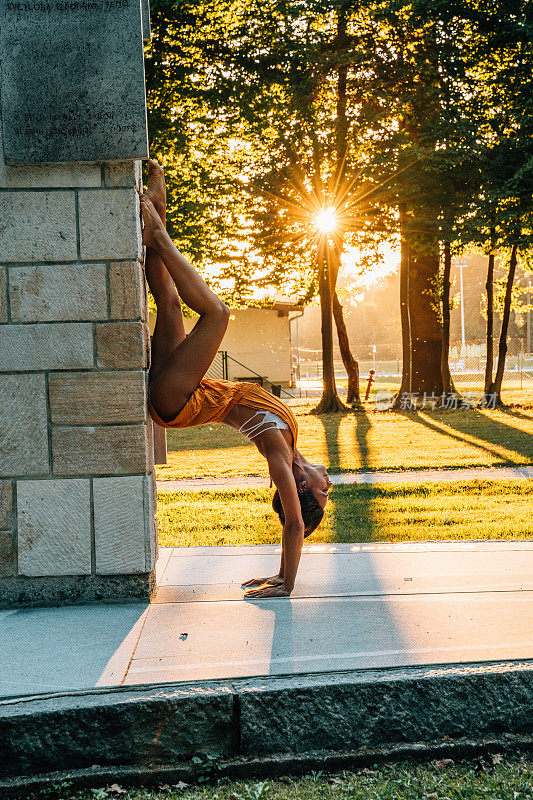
point(77, 489)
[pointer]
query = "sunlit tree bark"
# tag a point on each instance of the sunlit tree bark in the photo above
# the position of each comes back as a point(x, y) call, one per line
point(330, 400)
point(405, 387)
point(351, 366)
point(489, 286)
point(496, 386)
point(424, 324)
point(447, 381)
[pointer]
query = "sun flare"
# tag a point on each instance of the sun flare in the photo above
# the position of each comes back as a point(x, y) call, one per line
point(326, 220)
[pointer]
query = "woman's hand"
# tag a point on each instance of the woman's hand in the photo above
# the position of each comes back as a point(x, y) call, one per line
point(267, 590)
point(275, 580)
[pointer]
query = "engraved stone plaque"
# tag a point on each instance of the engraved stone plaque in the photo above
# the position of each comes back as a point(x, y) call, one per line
point(72, 80)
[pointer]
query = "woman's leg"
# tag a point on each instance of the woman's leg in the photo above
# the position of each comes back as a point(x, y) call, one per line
point(169, 329)
point(186, 364)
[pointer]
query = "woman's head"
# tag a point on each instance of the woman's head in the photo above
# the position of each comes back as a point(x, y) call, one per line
point(312, 511)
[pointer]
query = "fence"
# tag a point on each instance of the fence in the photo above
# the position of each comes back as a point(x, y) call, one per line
point(467, 364)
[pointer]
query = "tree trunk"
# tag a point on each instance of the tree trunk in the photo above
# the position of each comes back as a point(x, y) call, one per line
point(489, 286)
point(350, 364)
point(496, 386)
point(327, 272)
point(424, 322)
point(405, 387)
point(330, 400)
point(447, 381)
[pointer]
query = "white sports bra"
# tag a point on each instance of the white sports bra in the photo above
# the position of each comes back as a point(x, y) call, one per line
point(268, 422)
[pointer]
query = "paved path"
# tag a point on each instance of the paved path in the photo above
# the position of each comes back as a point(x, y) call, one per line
point(355, 606)
point(403, 476)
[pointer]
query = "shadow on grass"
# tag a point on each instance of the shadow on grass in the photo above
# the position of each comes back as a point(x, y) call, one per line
point(512, 412)
point(483, 432)
point(342, 509)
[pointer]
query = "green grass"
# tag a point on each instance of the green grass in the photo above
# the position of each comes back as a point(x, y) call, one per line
point(359, 513)
point(495, 777)
point(364, 441)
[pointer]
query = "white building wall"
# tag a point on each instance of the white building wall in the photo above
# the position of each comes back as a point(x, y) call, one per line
point(260, 339)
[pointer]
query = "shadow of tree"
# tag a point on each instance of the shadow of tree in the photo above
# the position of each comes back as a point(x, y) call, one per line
point(489, 435)
point(512, 412)
point(345, 515)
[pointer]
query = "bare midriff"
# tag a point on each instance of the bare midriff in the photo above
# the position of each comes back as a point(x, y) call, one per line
point(240, 414)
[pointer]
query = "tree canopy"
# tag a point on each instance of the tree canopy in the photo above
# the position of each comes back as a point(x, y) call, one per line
point(406, 121)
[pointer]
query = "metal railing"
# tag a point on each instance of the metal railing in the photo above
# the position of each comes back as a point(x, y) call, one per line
point(219, 370)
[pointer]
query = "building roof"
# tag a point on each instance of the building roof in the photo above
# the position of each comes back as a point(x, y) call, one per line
point(277, 305)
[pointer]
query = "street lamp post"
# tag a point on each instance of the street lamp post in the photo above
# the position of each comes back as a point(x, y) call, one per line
point(528, 320)
point(463, 339)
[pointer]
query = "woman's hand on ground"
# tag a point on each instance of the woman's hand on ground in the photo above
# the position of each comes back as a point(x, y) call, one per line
point(267, 590)
point(274, 580)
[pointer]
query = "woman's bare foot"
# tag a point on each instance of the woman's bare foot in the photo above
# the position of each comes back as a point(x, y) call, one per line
point(153, 224)
point(156, 188)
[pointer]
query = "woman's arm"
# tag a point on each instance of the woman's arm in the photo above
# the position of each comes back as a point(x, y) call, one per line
point(293, 529)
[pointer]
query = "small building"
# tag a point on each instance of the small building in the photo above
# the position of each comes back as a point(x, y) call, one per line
point(257, 342)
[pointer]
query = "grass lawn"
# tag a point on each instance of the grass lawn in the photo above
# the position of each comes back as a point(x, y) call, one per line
point(361, 513)
point(495, 777)
point(364, 441)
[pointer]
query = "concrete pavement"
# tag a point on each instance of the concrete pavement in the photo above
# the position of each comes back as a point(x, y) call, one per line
point(401, 476)
point(356, 606)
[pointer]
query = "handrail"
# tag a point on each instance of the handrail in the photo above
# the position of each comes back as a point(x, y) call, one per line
point(226, 356)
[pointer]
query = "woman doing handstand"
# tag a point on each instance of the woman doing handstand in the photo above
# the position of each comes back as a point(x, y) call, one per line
point(180, 396)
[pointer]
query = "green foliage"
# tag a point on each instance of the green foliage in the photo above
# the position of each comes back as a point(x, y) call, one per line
point(490, 776)
point(207, 766)
point(253, 791)
point(197, 142)
point(262, 112)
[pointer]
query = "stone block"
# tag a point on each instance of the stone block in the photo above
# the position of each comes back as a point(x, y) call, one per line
point(119, 525)
point(3, 295)
point(110, 224)
point(54, 527)
point(6, 505)
point(371, 709)
point(112, 450)
point(27, 348)
point(23, 425)
point(151, 523)
point(122, 345)
point(123, 173)
point(7, 553)
point(80, 99)
point(49, 176)
point(37, 226)
point(126, 289)
point(58, 293)
point(123, 731)
point(64, 590)
point(92, 398)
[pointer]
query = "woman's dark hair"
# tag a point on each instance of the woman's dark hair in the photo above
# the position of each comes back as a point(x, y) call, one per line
point(312, 512)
